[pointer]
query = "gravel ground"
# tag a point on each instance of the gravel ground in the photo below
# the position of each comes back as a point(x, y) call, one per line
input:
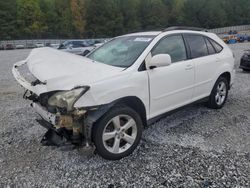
point(195, 147)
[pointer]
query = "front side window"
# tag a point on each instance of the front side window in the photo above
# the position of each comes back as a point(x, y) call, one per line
point(122, 51)
point(172, 45)
point(197, 45)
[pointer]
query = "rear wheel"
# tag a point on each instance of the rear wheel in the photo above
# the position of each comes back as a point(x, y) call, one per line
point(219, 94)
point(117, 133)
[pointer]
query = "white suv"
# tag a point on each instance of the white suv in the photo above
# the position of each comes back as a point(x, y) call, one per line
point(106, 99)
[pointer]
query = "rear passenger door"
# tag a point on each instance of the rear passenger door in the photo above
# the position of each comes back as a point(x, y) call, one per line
point(205, 59)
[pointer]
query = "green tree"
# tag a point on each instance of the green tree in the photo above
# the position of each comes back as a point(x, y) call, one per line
point(8, 19)
point(176, 12)
point(104, 18)
point(51, 18)
point(64, 26)
point(153, 14)
point(129, 10)
point(30, 18)
point(108, 18)
point(78, 9)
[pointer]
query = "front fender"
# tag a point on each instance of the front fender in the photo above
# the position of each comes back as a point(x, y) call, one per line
point(133, 84)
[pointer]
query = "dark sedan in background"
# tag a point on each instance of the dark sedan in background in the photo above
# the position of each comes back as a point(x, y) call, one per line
point(245, 61)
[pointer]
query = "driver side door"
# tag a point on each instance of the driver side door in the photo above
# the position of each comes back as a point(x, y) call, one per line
point(171, 86)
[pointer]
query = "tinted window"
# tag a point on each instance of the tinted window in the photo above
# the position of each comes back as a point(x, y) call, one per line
point(210, 48)
point(218, 48)
point(77, 44)
point(172, 45)
point(197, 45)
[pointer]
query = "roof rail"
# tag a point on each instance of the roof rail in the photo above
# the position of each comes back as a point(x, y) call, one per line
point(184, 28)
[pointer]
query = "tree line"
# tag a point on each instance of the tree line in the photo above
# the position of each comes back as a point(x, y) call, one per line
point(26, 19)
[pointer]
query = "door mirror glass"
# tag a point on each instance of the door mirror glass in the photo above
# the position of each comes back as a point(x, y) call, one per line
point(160, 60)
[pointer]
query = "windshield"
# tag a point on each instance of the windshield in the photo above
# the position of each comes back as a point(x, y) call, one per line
point(122, 51)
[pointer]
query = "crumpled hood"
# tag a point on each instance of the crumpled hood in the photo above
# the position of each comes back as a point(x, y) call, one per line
point(62, 70)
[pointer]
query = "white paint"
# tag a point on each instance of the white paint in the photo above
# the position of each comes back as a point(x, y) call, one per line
point(161, 89)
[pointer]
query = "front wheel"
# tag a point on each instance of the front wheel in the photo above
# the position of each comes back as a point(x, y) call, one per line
point(117, 133)
point(219, 93)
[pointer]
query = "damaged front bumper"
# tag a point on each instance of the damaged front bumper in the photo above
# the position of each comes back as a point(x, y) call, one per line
point(64, 127)
point(34, 87)
point(67, 127)
point(47, 116)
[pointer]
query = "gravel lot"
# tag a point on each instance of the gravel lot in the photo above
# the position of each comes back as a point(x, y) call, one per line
point(195, 147)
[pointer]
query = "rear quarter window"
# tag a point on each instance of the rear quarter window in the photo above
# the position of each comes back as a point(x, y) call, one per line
point(211, 49)
point(218, 48)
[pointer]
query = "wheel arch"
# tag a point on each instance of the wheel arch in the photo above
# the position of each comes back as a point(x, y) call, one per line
point(93, 116)
point(226, 75)
point(136, 104)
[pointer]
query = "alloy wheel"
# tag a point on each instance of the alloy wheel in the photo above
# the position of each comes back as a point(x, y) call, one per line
point(221, 93)
point(119, 134)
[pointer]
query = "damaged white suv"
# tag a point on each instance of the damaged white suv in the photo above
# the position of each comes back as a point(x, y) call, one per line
point(105, 100)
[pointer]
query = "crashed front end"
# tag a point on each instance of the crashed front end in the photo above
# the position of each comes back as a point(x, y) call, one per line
point(65, 123)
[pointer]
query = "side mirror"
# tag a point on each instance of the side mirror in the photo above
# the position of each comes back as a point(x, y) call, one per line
point(160, 60)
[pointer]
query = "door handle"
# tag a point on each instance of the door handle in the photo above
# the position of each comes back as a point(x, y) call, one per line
point(189, 67)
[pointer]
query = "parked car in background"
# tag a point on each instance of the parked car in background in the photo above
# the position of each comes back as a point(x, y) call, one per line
point(97, 45)
point(39, 45)
point(9, 47)
point(245, 61)
point(78, 47)
point(30, 45)
point(56, 46)
point(108, 97)
point(20, 46)
point(52, 45)
point(1, 47)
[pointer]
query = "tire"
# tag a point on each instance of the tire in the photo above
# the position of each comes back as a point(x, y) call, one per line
point(112, 139)
point(219, 94)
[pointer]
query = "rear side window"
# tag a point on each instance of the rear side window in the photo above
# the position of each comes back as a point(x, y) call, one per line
point(172, 45)
point(77, 44)
point(218, 48)
point(210, 47)
point(197, 45)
